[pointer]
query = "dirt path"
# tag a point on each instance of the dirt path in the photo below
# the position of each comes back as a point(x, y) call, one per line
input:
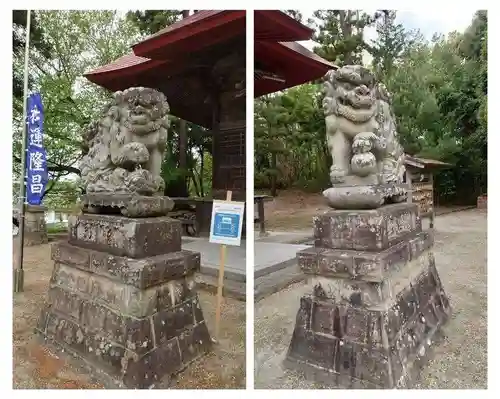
point(34, 366)
point(294, 210)
point(460, 360)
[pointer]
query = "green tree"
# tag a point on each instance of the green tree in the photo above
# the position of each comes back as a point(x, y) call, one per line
point(79, 41)
point(340, 35)
point(389, 46)
point(37, 41)
point(295, 14)
point(270, 127)
point(151, 21)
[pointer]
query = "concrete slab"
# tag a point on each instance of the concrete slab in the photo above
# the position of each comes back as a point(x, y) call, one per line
point(277, 281)
point(235, 265)
point(271, 257)
point(275, 267)
point(285, 237)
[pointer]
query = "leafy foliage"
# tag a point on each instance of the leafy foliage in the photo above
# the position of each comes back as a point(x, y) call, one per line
point(340, 34)
point(78, 41)
point(37, 41)
point(151, 21)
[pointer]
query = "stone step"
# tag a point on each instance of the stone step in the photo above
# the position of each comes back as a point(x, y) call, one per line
point(277, 280)
point(140, 273)
point(366, 230)
point(128, 237)
point(70, 285)
point(231, 288)
point(364, 265)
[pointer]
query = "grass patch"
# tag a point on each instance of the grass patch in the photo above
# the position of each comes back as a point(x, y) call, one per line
point(55, 228)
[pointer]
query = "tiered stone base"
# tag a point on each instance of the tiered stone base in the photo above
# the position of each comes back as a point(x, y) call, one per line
point(122, 297)
point(377, 302)
point(35, 228)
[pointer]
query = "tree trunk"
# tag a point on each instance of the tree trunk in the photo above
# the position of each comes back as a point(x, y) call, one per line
point(346, 28)
point(273, 175)
point(202, 167)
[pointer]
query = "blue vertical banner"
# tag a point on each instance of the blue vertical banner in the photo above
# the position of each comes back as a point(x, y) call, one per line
point(36, 162)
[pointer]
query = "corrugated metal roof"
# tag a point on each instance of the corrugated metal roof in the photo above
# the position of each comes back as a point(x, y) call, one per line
point(423, 163)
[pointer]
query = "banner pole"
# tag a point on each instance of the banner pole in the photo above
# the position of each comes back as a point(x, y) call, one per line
point(19, 272)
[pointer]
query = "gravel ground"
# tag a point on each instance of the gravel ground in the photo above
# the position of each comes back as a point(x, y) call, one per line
point(460, 360)
point(35, 366)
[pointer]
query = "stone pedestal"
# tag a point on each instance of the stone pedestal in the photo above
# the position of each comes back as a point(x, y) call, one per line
point(377, 302)
point(122, 297)
point(35, 228)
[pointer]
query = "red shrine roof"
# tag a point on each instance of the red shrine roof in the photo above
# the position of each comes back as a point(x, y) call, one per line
point(291, 62)
point(171, 59)
point(191, 34)
point(276, 26)
point(282, 63)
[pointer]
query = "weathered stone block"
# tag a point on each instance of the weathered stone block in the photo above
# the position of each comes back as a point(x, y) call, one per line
point(366, 230)
point(121, 236)
point(108, 354)
point(372, 294)
point(312, 348)
point(174, 292)
point(140, 273)
point(149, 369)
point(125, 299)
point(322, 317)
point(70, 278)
point(68, 254)
point(169, 267)
point(123, 347)
point(130, 205)
point(66, 302)
point(35, 229)
point(194, 342)
point(365, 265)
point(170, 323)
point(41, 325)
point(132, 333)
point(65, 331)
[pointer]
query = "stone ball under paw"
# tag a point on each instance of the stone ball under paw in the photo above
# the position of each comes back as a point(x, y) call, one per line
point(361, 145)
point(135, 153)
point(364, 164)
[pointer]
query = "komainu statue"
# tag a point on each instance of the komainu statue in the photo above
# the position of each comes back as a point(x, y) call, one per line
point(124, 151)
point(367, 160)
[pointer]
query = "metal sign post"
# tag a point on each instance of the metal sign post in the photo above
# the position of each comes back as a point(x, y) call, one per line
point(18, 271)
point(225, 229)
